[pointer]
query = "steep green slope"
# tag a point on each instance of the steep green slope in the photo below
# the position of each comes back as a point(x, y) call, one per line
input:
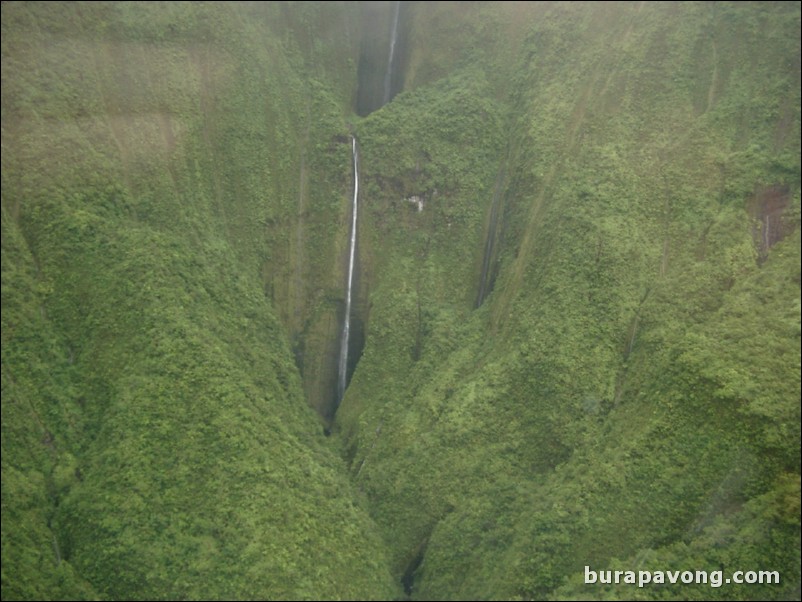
point(176, 180)
point(630, 389)
point(156, 442)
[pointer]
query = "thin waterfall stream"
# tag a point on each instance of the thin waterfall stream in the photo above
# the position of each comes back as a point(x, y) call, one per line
point(342, 368)
point(374, 98)
point(382, 54)
point(388, 75)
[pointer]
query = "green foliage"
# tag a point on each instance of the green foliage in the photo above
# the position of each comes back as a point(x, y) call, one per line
point(42, 421)
point(634, 374)
point(176, 180)
point(156, 441)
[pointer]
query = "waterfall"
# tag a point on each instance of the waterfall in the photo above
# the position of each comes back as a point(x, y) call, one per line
point(382, 54)
point(342, 369)
point(388, 75)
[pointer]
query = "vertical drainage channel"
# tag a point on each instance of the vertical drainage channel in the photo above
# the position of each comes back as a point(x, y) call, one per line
point(383, 54)
point(388, 75)
point(488, 276)
point(342, 367)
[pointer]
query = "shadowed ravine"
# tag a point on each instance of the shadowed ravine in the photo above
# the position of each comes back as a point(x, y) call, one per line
point(388, 76)
point(368, 79)
point(399, 300)
point(383, 54)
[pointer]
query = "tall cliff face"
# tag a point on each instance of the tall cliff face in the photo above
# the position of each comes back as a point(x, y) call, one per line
point(176, 195)
point(629, 389)
point(175, 181)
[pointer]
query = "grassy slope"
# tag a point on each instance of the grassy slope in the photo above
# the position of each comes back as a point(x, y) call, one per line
point(630, 389)
point(627, 396)
point(155, 437)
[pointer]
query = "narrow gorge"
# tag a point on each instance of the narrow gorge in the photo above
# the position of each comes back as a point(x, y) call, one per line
point(399, 300)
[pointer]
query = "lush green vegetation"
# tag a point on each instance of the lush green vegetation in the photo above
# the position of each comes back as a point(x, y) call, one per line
point(630, 389)
point(156, 442)
point(176, 180)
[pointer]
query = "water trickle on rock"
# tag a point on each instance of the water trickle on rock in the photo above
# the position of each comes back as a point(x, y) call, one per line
point(342, 367)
